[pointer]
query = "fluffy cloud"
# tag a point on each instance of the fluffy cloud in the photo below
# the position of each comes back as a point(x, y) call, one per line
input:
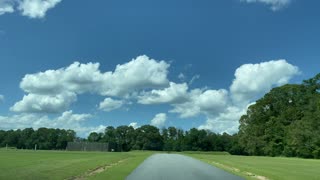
point(30, 8)
point(46, 88)
point(252, 80)
point(175, 93)
point(138, 74)
point(274, 4)
point(207, 102)
point(68, 120)
point(223, 108)
point(6, 6)
point(109, 104)
point(215, 125)
point(44, 103)
point(36, 8)
point(145, 80)
point(68, 116)
point(77, 78)
point(226, 121)
point(159, 120)
point(98, 129)
point(134, 125)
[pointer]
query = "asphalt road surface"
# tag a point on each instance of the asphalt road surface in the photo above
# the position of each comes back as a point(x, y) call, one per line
point(178, 167)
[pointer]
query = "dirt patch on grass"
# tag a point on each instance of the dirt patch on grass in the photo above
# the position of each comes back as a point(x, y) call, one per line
point(226, 167)
point(95, 171)
point(239, 171)
point(255, 176)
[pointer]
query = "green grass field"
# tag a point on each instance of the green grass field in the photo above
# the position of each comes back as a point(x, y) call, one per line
point(24, 164)
point(276, 168)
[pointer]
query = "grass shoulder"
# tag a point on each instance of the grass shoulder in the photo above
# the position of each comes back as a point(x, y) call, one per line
point(253, 167)
point(29, 164)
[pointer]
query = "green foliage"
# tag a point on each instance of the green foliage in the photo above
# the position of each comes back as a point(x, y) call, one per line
point(148, 138)
point(125, 138)
point(44, 138)
point(94, 137)
point(285, 122)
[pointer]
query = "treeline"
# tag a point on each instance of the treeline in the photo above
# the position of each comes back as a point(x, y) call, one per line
point(43, 138)
point(124, 138)
point(147, 137)
point(285, 122)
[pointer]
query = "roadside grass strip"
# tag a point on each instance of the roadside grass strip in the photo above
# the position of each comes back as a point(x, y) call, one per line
point(264, 168)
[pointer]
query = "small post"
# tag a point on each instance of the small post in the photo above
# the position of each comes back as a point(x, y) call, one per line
point(6, 146)
point(35, 147)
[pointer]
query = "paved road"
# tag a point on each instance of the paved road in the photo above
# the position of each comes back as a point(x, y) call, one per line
point(178, 167)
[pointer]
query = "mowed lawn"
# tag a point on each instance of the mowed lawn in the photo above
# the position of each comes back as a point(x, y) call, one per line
point(24, 164)
point(276, 168)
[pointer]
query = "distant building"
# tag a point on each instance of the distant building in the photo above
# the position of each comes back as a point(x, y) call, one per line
point(87, 146)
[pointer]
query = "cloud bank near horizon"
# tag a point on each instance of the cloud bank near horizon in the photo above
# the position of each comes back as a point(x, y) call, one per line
point(144, 81)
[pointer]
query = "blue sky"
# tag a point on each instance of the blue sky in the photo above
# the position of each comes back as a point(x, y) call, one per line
point(159, 47)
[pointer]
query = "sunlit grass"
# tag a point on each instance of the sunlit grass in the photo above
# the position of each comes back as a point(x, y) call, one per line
point(28, 164)
point(24, 164)
point(122, 170)
point(277, 168)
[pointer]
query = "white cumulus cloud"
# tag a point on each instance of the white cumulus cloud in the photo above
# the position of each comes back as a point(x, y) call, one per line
point(77, 78)
point(224, 108)
point(145, 80)
point(226, 121)
point(33, 103)
point(110, 104)
point(159, 120)
point(138, 74)
point(206, 102)
point(175, 93)
point(274, 4)
point(47, 90)
point(36, 8)
point(98, 129)
point(30, 8)
point(67, 120)
point(134, 125)
point(252, 80)
point(6, 6)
